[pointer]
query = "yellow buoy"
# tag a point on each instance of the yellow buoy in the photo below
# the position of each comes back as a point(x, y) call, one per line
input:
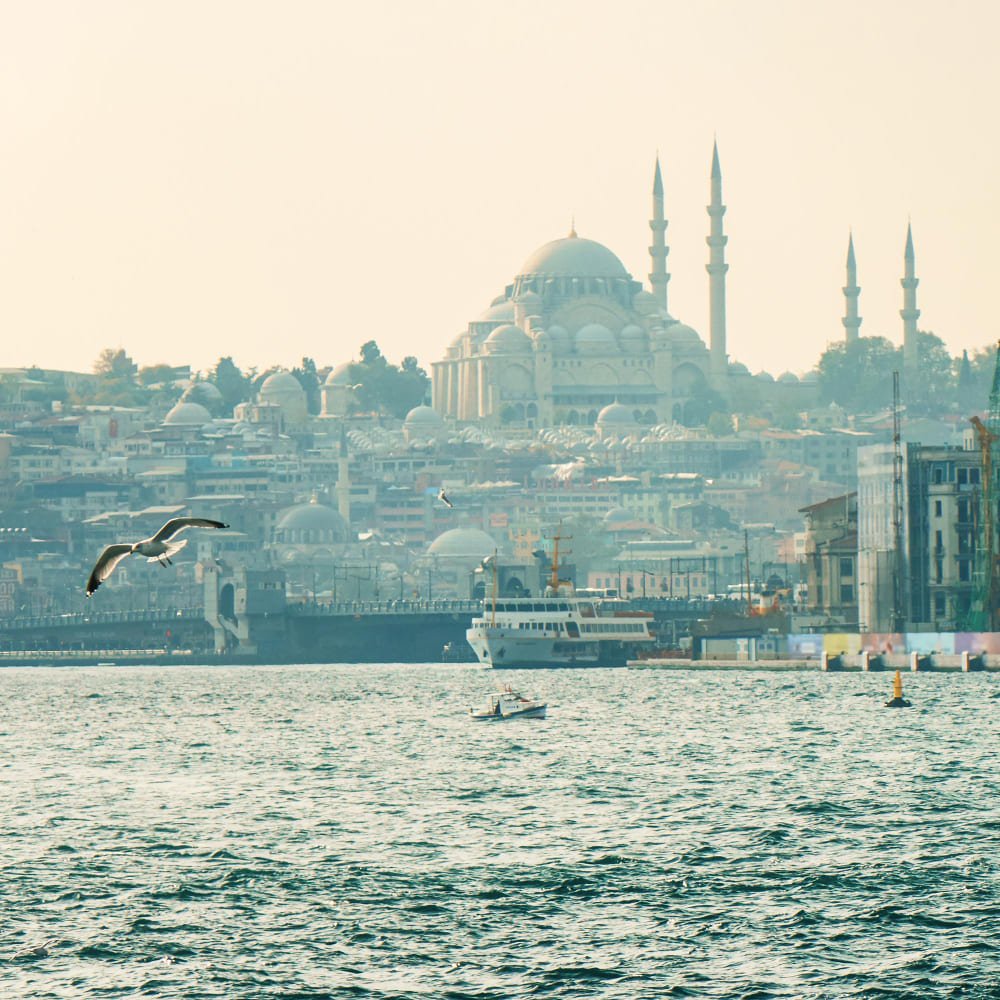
point(898, 701)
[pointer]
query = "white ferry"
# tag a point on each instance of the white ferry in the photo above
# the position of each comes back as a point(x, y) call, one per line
point(559, 629)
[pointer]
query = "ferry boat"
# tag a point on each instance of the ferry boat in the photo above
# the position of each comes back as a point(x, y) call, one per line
point(558, 629)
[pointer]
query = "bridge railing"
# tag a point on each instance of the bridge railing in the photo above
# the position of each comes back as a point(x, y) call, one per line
point(99, 618)
point(385, 607)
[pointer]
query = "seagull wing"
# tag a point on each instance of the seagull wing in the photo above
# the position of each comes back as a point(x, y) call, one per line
point(176, 524)
point(105, 565)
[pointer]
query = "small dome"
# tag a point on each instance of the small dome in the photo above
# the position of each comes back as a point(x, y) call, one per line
point(764, 377)
point(615, 413)
point(423, 416)
point(188, 414)
point(737, 368)
point(500, 311)
point(205, 393)
point(280, 382)
point(633, 338)
point(310, 523)
point(507, 339)
point(618, 515)
point(681, 333)
point(559, 338)
point(788, 378)
point(528, 298)
point(573, 257)
point(595, 339)
point(463, 542)
point(341, 375)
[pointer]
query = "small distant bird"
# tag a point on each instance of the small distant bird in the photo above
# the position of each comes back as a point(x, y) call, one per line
point(157, 548)
point(444, 499)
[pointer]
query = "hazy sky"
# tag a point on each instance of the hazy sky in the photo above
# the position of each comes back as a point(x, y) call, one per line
point(272, 180)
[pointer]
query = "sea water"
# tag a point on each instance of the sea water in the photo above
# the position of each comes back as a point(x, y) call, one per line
point(348, 831)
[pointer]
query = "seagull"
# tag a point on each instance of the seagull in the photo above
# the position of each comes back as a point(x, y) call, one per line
point(444, 499)
point(157, 548)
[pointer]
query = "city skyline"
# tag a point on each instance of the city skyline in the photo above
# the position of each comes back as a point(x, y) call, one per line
point(271, 185)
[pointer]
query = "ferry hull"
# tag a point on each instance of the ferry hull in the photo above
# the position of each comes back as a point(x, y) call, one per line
point(502, 649)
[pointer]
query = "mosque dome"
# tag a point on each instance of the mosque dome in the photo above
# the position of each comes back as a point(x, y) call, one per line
point(788, 378)
point(341, 375)
point(463, 543)
point(573, 257)
point(188, 414)
point(424, 418)
point(615, 413)
point(764, 377)
point(595, 339)
point(738, 368)
point(559, 337)
point(284, 391)
point(280, 382)
point(507, 339)
point(311, 523)
point(681, 333)
point(500, 311)
point(205, 393)
point(633, 338)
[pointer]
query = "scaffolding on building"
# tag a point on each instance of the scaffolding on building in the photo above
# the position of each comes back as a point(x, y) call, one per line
point(984, 612)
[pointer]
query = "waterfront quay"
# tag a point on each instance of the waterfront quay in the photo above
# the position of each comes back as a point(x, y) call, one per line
point(863, 662)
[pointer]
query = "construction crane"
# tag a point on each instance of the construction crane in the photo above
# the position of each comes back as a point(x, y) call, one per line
point(985, 611)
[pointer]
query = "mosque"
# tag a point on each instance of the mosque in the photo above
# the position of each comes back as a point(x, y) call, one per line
point(574, 335)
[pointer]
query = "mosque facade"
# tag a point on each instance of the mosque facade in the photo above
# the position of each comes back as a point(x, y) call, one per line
point(575, 333)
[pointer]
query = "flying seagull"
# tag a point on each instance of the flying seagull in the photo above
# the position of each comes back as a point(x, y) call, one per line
point(444, 499)
point(157, 548)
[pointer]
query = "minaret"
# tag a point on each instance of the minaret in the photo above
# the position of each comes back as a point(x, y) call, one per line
point(910, 313)
point(343, 479)
point(851, 320)
point(658, 277)
point(717, 268)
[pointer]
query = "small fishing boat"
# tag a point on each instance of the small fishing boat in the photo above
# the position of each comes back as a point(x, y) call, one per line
point(508, 704)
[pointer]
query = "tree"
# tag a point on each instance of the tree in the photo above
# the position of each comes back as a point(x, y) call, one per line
point(309, 380)
point(719, 424)
point(115, 364)
point(699, 408)
point(931, 388)
point(384, 387)
point(156, 374)
point(858, 375)
point(230, 381)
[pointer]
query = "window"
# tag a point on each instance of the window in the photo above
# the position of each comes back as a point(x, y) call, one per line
point(974, 476)
point(963, 570)
point(937, 508)
point(939, 606)
point(846, 593)
point(846, 567)
point(938, 541)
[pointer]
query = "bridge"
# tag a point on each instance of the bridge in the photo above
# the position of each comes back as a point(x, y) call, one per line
point(394, 631)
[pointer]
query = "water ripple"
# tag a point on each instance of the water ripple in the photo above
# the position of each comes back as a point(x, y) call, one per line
point(347, 832)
